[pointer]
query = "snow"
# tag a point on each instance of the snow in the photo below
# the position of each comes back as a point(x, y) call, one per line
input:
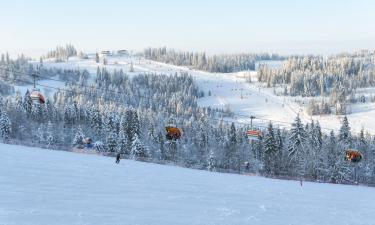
point(226, 89)
point(44, 187)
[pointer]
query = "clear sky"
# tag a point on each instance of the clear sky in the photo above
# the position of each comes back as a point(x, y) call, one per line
point(215, 26)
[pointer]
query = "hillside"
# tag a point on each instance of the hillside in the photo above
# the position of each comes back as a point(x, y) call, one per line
point(44, 187)
point(226, 90)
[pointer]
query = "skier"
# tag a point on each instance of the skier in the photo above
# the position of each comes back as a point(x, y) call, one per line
point(118, 156)
point(247, 166)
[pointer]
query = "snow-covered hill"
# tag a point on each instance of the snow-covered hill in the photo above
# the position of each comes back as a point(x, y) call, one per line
point(43, 187)
point(231, 90)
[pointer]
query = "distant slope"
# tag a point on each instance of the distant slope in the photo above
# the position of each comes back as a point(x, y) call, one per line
point(226, 89)
point(45, 187)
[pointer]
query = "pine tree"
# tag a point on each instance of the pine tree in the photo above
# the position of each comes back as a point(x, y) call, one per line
point(131, 67)
point(96, 121)
point(97, 60)
point(40, 134)
point(27, 103)
point(344, 135)
point(231, 159)
point(161, 146)
point(331, 157)
point(111, 142)
point(137, 148)
point(270, 150)
point(279, 153)
point(49, 135)
point(78, 138)
point(211, 161)
point(122, 142)
point(5, 126)
point(296, 147)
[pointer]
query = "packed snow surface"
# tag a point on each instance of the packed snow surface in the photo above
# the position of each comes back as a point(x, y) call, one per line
point(45, 187)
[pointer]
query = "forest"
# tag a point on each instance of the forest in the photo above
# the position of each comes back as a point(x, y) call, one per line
point(337, 78)
point(128, 115)
point(226, 63)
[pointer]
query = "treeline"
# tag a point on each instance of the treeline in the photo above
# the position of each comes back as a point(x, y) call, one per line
point(201, 61)
point(128, 115)
point(336, 77)
point(62, 53)
point(19, 72)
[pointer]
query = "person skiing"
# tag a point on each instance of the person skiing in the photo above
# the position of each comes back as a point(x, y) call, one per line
point(118, 156)
point(247, 166)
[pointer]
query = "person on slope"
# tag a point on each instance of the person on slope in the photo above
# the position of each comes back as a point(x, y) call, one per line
point(118, 156)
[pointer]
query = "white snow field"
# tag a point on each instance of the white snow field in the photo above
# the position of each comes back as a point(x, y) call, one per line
point(44, 187)
point(226, 90)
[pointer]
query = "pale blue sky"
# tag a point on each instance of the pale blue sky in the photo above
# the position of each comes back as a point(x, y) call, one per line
point(285, 26)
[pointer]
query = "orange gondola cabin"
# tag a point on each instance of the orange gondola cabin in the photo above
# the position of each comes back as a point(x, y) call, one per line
point(353, 156)
point(37, 97)
point(254, 134)
point(173, 133)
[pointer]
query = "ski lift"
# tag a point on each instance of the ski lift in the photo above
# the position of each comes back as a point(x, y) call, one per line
point(36, 96)
point(173, 132)
point(353, 156)
point(254, 134)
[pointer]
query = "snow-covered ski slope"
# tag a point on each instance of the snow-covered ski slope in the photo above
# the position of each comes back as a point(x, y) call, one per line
point(227, 89)
point(44, 187)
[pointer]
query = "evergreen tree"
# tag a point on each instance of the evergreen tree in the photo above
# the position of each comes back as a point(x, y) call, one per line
point(296, 147)
point(5, 126)
point(50, 140)
point(211, 161)
point(27, 103)
point(279, 156)
point(270, 150)
point(344, 135)
point(97, 59)
point(122, 142)
point(78, 138)
point(112, 142)
point(137, 148)
point(231, 160)
point(161, 146)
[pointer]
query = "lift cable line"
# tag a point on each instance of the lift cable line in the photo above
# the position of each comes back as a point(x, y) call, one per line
point(86, 86)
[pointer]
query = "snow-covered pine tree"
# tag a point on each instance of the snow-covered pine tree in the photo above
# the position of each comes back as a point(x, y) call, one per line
point(122, 142)
point(97, 60)
point(231, 160)
point(211, 160)
point(40, 134)
point(345, 135)
point(279, 163)
point(96, 121)
point(111, 142)
point(18, 99)
point(5, 126)
point(78, 137)
point(138, 150)
point(162, 153)
point(297, 142)
point(270, 150)
point(27, 103)
point(49, 134)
